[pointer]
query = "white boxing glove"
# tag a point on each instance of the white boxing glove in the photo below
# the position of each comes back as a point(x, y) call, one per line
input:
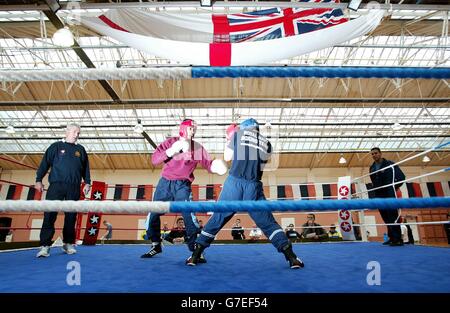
point(219, 167)
point(228, 154)
point(177, 147)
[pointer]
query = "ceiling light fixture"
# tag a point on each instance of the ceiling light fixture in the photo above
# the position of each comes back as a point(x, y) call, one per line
point(342, 160)
point(426, 159)
point(63, 37)
point(138, 128)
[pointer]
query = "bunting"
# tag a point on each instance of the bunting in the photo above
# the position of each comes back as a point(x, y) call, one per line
point(211, 192)
point(93, 222)
point(19, 192)
point(345, 221)
point(208, 192)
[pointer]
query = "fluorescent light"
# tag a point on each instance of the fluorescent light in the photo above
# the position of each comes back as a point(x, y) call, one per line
point(63, 37)
point(426, 159)
point(206, 3)
point(354, 5)
point(10, 129)
point(397, 126)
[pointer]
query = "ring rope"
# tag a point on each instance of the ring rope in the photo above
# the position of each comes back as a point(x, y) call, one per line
point(250, 228)
point(404, 181)
point(354, 224)
point(403, 161)
point(221, 206)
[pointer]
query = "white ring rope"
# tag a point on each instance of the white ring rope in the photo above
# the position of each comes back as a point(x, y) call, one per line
point(403, 161)
point(86, 74)
point(220, 206)
point(403, 181)
point(251, 228)
point(360, 225)
point(85, 206)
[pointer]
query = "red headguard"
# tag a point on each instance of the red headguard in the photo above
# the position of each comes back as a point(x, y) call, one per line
point(184, 125)
point(231, 130)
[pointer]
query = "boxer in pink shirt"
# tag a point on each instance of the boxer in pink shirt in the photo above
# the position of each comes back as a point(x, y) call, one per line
point(180, 156)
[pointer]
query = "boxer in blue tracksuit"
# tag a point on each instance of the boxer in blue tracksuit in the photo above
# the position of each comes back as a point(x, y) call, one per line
point(249, 152)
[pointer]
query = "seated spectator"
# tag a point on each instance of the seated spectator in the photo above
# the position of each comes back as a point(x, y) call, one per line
point(178, 234)
point(407, 235)
point(255, 233)
point(200, 224)
point(333, 233)
point(108, 234)
point(237, 231)
point(356, 231)
point(165, 231)
point(292, 234)
point(9, 237)
point(312, 230)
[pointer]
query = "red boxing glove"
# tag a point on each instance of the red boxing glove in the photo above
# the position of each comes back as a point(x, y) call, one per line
point(231, 130)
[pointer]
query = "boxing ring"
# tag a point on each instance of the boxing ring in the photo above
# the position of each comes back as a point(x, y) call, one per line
point(331, 267)
point(231, 268)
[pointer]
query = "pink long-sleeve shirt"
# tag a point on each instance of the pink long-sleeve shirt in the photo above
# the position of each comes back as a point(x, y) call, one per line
point(181, 166)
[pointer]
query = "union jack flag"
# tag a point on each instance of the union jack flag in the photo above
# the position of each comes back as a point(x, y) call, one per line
point(274, 23)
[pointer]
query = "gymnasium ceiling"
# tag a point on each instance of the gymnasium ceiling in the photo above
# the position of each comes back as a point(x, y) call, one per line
point(311, 121)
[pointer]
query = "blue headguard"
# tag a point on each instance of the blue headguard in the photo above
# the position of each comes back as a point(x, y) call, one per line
point(249, 123)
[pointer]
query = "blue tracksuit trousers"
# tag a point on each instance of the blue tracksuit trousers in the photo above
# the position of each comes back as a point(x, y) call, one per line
point(240, 189)
point(173, 190)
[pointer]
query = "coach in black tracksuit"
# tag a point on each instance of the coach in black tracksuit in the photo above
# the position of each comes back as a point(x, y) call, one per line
point(383, 178)
point(69, 165)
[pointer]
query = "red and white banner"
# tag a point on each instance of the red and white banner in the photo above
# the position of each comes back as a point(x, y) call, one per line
point(93, 222)
point(250, 38)
point(345, 216)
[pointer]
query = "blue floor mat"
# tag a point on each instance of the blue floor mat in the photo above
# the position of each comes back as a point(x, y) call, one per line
point(259, 268)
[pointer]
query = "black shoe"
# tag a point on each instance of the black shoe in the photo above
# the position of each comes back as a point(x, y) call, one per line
point(201, 259)
point(397, 243)
point(197, 256)
point(152, 252)
point(387, 242)
point(294, 261)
